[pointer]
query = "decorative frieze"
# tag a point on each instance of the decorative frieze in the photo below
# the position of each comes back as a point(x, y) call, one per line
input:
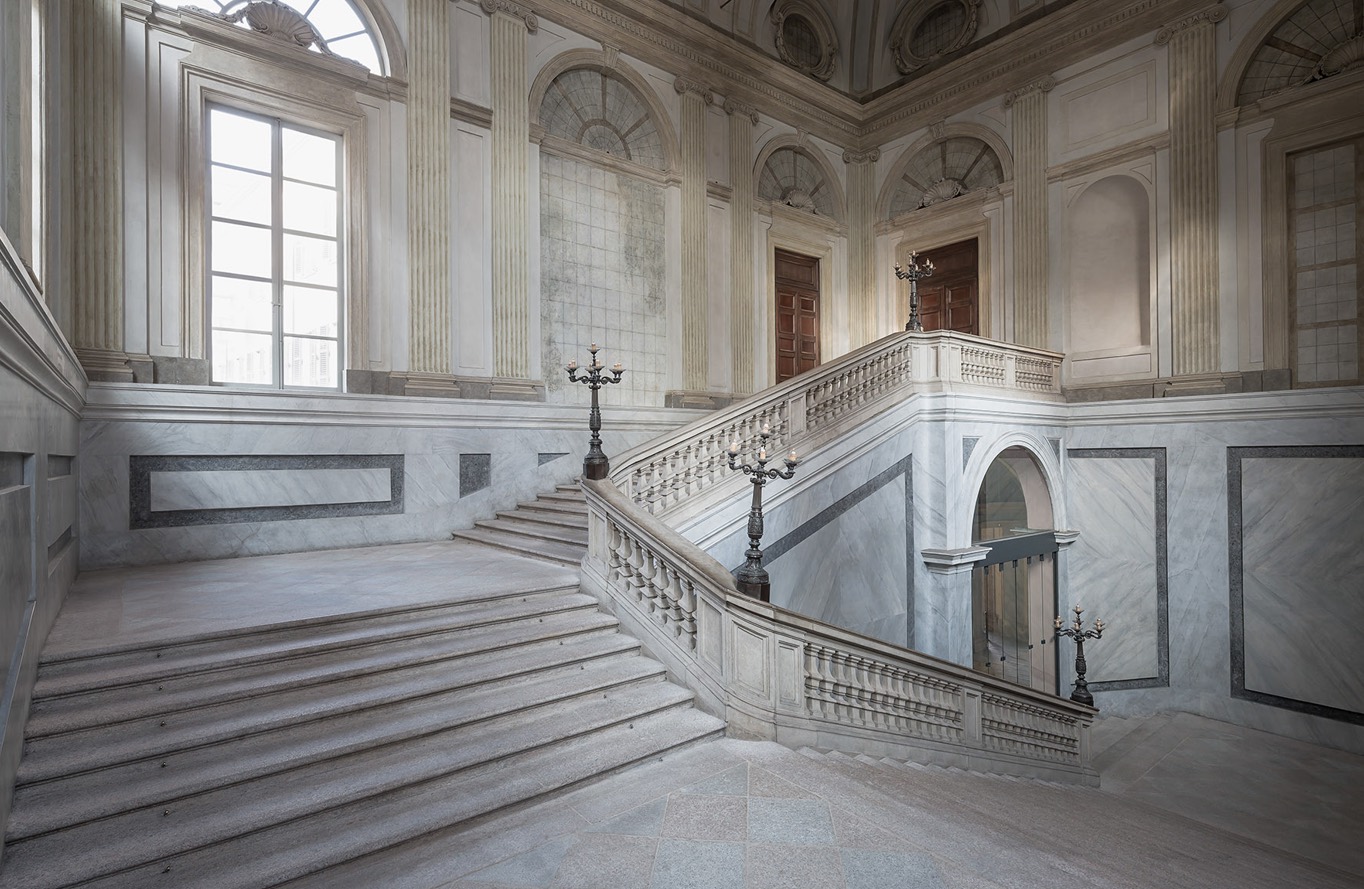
point(1029, 112)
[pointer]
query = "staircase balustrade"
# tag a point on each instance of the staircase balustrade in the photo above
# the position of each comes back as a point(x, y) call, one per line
point(779, 675)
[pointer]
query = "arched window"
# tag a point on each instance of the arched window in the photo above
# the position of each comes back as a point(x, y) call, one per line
point(599, 110)
point(944, 170)
point(1321, 39)
point(792, 177)
point(341, 26)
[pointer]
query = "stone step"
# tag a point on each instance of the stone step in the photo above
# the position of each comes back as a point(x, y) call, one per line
point(102, 746)
point(554, 519)
point(558, 495)
point(574, 536)
point(265, 831)
point(284, 744)
point(178, 657)
point(576, 507)
point(562, 553)
point(571, 615)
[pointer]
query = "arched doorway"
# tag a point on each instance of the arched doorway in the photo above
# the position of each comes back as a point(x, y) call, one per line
point(1013, 590)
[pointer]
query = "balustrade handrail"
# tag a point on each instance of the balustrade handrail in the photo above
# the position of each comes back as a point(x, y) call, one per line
point(808, 410)
point(775, 673)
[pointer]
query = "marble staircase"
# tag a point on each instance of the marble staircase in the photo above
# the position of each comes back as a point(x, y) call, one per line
point(264, 755)
point(551, 527)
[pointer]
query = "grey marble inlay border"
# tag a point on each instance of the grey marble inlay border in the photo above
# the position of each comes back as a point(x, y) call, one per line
point(968, 444)
point(550, 458)
point(1162, 677)
point(140, 469)
point(475, 473)
point(1236, 576)
point(848, 501)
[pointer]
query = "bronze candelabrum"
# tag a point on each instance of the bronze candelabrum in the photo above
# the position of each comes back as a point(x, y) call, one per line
point(595, 464)
point(912, 273)
point(1077, 632)
point(751, 578)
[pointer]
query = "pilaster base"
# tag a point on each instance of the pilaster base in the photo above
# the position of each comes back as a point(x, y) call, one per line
point(1170, 387)
point(504, 389)
point(106, 365)
point(173, 371)
point(429, 385)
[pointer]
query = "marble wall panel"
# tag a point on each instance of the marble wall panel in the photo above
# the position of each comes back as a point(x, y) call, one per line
point(223, 489)
point(602, 279)
point(848, 564)
point(1297, 571)
point(1117, 566)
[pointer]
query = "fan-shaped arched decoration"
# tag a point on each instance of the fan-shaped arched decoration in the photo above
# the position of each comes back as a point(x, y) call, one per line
point(1320, 39)
point(944, 170)
point(597, 109)
point(792, 177)
point(331, 27)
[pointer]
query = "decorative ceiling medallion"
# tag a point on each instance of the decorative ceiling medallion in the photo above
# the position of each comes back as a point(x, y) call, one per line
point(927, 30)
point(805, 37)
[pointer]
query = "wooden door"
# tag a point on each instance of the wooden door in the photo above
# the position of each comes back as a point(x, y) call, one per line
point(950, 300)
point(797, 286)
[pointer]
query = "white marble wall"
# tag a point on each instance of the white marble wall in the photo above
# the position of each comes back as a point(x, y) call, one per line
point(1303, 576)
point(430, 434)
point(602, 279)
point(1114, 570)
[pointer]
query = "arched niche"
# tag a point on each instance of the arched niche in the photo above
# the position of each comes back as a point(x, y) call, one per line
point(789, 172)
point(1296, 42)
point(1109, 268)
point(1043, 486)
point(958, 134)
point(612, 71)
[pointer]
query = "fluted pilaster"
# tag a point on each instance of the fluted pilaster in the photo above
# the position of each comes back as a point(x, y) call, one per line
point(862, 243)
point(16, 74)
point(97, 188)
point(742, 305)
point(1193, 191)
point(510, 147)
point(695, 98)
point(428, 190)
point(1029, 106)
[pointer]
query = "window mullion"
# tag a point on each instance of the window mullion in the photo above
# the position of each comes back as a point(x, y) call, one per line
point(277, 245)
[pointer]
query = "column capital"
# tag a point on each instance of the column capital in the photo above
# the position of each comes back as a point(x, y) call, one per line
point(683, 86)
point(1209, 14)
point(515, 10)
point(870, 156)
point(1044, 85)
point(734, 106)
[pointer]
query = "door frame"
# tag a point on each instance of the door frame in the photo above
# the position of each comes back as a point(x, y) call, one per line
point(797, 242)
point(950, 225)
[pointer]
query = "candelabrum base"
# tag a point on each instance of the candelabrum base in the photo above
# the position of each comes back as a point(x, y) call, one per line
point(758, 589)
point(595, 468)
point(1081, 695)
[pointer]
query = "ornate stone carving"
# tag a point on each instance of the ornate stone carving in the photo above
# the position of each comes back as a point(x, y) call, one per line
point(610, 54)
point(734, 106)
point(1212, 15)
point(862, 157)
point(516, 10)
point(911, 53)
point(1343, 57)
point(788, 18)
point(684, 85)
point(798, 199)
point(942, 190)
point(274, 19)
point(1045, 85)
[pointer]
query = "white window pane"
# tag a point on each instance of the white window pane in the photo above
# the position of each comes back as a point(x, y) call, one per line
point(310, 362)
point(310, 208)
point(242, 304)
point(310, 260)
point(240, 141)
point(243, 358)
point(241, 250)
point(311, 312)
point(310, 158)
point(359, 48)
point(334, 17)
point(239, 195)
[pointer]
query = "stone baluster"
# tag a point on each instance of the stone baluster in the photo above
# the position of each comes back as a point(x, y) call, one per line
point(1029, 107)
point(510, 164)
point(96, 240)
point(1193, 190)
point(862, 244)
point(743, 308)
point(695, 98)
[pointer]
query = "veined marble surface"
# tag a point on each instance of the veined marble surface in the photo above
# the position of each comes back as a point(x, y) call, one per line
point(1113, 565)
point(1302, 536)
point(218, 489)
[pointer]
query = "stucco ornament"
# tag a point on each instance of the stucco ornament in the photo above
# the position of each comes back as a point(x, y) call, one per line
point(278, 20)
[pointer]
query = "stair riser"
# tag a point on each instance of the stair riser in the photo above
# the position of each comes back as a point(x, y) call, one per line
point(566, 536)
point(520, 550)
point(144, 701)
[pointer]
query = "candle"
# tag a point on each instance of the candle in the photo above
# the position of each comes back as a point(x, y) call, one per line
point(1058, 621)
point(593, 348)
point(734, 447)
point(618, 367)
point(767, 429)
point(791, 457)
point(573, 364)
point(762, 455)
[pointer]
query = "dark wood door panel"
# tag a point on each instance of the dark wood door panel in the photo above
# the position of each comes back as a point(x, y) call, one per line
point(949, 300)
point(797, 287)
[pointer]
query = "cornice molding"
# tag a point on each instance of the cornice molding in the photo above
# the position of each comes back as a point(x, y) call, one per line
point(1210, 15)
point(1042, 85)
point(862, 157)
point(515, 10)
point(733, 106)
point(684, 85)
